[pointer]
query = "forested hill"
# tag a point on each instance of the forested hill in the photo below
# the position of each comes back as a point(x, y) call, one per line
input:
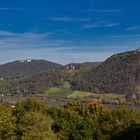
point(26, 67)
point(40, 82)
point(81, 66)
point(30, 67)
point(118, 74)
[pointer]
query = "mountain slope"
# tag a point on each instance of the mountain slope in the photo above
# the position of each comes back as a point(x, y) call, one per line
point(26, 67)
point(118, 74)
point(81, 66)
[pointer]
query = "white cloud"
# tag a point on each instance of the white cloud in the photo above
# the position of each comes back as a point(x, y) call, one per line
point(96, 10)
point(27, 39)
point(100, 24)
point(67, 19)
point(108, 10)
point(31, 40)
point(124, 36)
point(6, 9)
point(132, 28)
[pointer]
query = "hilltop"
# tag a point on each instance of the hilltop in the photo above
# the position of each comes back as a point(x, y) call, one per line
point(26, 67)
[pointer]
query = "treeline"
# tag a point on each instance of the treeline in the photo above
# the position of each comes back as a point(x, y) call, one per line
point(34, 120)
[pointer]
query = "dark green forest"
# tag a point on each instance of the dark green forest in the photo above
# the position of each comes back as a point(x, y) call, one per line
point(34, 119)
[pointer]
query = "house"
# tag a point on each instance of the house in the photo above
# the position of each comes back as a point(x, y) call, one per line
point(28, 60)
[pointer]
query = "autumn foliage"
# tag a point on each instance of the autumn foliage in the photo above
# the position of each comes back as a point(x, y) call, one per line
point(35, 120)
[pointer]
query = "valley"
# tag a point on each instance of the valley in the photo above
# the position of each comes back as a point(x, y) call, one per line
point(115, 78)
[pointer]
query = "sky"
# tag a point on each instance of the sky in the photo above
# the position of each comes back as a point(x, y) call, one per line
point(66, 31)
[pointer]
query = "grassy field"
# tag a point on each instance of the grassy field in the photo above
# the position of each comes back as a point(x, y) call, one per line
point(66, 92)
point(69, 93)
point(80, 94)
point(58, 92)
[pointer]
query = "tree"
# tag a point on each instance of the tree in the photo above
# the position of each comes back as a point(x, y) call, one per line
point(35, 126)
point(7, 123)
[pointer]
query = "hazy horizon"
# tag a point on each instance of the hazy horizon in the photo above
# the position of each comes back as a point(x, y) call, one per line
point(50, 61)
point(67, 31)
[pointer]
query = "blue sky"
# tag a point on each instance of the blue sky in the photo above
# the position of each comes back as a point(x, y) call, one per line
point(66, 31)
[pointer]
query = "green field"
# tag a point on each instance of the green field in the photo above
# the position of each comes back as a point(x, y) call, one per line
point(69, 93)
point(66, 92)
point(58, 92)
point(80, 94)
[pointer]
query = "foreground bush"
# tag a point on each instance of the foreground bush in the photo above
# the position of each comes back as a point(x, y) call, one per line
point(34, 120)
point(35, 126)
